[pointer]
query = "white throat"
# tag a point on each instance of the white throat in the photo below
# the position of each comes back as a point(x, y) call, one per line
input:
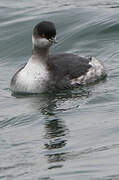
point(41, 42)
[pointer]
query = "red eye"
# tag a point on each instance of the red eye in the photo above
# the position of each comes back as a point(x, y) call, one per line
point(43, 36)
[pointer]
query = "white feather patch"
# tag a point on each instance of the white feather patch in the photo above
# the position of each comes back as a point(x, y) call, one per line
point(32, 78)
point(94, 73)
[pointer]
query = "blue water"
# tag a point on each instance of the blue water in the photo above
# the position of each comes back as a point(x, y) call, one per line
point(73, 134)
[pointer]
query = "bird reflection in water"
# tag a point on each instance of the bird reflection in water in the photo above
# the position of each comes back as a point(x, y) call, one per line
point(56, 132)
point(56, 141)
point(55, 136)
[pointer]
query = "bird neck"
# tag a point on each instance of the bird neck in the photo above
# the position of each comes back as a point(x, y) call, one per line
point(40, 53)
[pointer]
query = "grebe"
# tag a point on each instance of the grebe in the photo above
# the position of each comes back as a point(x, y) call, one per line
point(44, 72)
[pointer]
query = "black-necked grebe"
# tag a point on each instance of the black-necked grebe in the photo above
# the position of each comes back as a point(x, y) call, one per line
point(44, 72)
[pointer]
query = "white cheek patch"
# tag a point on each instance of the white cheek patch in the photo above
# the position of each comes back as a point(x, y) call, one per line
point(41, 42)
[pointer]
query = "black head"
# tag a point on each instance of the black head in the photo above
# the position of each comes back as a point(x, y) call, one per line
point(45, 29)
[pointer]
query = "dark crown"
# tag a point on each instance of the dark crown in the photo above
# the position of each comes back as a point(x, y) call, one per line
point(45, 27)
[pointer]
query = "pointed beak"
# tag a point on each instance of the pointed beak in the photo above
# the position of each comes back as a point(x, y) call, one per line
point(53, 40)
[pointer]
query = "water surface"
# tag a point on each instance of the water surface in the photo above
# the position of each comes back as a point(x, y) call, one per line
point(73, 134)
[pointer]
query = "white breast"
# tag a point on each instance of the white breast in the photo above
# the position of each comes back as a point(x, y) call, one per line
point(33, 78)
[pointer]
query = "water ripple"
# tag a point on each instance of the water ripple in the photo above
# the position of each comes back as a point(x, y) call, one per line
point(72, 134)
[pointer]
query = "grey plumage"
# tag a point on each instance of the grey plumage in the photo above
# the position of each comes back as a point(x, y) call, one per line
point(65, 67)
